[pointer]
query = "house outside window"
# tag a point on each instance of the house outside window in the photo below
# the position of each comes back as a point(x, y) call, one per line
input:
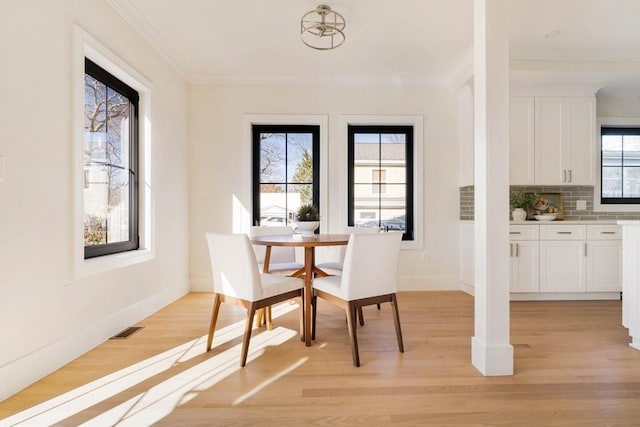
point(378, 178)
point(380, 174)
point(620, 163)
point(110, 146)
point(286, 172)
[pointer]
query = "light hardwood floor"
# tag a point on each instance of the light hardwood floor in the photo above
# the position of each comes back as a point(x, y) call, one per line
point(572, 367)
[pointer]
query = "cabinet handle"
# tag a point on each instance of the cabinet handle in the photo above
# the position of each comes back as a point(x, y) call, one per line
point(564, 175)
point(570, 175)
point(607, 232)
point(514, 232)
point(511, 249)
point(585, 249)
point(565, 232)
point(517, 250)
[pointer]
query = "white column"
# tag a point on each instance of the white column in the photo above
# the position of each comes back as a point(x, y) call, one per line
point(491, 352)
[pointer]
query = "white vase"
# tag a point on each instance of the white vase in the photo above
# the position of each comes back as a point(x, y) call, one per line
point(307, 227)
point(519, 214)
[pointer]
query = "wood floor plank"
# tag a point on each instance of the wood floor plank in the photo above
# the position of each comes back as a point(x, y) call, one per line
point(573, 366)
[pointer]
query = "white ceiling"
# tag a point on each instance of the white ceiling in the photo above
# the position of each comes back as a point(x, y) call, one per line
point(590, 42)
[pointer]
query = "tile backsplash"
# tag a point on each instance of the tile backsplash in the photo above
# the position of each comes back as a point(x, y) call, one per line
point(570, 194)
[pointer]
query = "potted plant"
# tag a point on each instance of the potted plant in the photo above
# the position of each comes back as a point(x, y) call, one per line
point(519, 201)
point(308, 219)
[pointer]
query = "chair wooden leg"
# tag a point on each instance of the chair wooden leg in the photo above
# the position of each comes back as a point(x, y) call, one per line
point(314, 308)
point(396, 320)
point(259, 317)
point(301, 311)
point(247, 335)
point(351, 323)
point(360, 316)
point(269, 319)
point(214, 319)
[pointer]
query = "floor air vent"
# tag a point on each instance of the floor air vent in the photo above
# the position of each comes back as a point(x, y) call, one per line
point(126, 333)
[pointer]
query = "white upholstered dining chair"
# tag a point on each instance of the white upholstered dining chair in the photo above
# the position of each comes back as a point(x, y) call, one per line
point(236, 279)
point(337, 264)
point(283, 259)
point(369, 276)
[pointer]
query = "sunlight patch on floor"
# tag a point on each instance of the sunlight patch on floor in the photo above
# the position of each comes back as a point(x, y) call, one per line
point(160, 399)
point(270, 381)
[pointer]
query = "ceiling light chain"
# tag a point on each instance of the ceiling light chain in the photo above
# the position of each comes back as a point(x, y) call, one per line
point(322, 28)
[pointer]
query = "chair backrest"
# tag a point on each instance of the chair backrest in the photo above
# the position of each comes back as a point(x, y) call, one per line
point(234, 266)
point(279, 254)
point(360, 230)
point(371, 265)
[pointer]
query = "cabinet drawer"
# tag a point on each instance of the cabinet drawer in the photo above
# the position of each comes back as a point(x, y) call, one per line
point(523, 232)
point(604, 232)
point(563, 232)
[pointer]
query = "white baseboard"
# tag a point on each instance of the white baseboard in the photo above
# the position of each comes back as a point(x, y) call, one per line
point(24, 371)
point(201, 285)
point(565, 296)
point(467, 288)
point(428, 283)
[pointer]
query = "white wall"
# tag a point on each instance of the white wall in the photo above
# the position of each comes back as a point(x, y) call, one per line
point(220, 164)
point(47, 315)
point(611, 106)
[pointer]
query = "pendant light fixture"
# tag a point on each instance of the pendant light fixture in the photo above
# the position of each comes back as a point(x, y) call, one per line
point(322, 28)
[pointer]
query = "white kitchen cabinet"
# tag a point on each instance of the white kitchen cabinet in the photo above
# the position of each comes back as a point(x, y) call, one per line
point(604, 258)
point(466, 256)
point(521, 140)
point(563, 132)
point(523, 260)
point(563, 266)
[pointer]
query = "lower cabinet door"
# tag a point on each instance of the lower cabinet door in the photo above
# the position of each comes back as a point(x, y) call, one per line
point(604, 266)
point(524, 266)
point(563, 266)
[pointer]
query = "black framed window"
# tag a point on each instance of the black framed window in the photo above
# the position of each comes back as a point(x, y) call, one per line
point(286, 172)
point(380, 174)
point(110, 198)
point(620, 165)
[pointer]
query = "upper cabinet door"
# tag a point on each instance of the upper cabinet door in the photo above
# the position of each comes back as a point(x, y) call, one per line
point(521, 140)
point(580, 114)
point(550, 141)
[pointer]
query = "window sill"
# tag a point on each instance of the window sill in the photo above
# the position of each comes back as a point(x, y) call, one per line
point(90, 267)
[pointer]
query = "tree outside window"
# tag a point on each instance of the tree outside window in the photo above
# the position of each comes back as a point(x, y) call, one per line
point(286, 172)
point(110, 163)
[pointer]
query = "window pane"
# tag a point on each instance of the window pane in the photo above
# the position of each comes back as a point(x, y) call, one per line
point(117, 128)
point(366, 148)
point(611, 182)
point(393, 219)
point(118, 206)
point(393, 148)
point(300, 157)
point(631, 146)
point(631, 180)
point(395, 195)
point(301, 194)
point(272, 157)
point(273, 205)
point(364, 197)
point(611, 150)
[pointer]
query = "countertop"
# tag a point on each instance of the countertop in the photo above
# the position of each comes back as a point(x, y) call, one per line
point(563, 222)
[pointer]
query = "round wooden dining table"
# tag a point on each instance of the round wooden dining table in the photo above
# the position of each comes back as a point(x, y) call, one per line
point(309, 270)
